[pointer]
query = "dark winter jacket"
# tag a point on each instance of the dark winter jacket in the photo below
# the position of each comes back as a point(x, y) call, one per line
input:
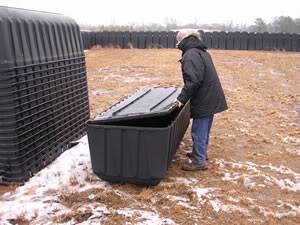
point(201, 82)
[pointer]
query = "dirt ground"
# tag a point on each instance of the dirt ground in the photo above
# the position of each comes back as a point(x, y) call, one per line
point(254, 153)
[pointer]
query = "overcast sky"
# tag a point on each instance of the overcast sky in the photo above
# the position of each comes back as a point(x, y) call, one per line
point(158, 11)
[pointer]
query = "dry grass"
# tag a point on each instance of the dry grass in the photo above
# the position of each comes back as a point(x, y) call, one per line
point(261, 89)
point(76, 216)
point(261, 126)
point(73, 181)
point(20, 220)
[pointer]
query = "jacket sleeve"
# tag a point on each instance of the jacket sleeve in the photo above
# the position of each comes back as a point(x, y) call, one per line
point(192, 72)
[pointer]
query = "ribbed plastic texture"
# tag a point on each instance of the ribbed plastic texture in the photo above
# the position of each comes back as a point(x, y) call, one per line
point(137, 150)
point(43, 90)
point(216, 40)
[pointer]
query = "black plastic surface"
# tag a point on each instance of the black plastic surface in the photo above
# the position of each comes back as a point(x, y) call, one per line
point(43, 90)
point(146, 102)
point(216, 40)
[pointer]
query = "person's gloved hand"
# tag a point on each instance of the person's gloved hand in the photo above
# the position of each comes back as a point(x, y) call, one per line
point(179, 104)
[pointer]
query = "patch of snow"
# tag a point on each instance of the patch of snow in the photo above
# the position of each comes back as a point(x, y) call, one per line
point(91, 196)
point(126, 212)
point(251, 184)
point(231, 176)
point(180, 201)
point(99, 212)
point(255, 171)
point(233, 199)
point(186, 205)
point(183, 180)
point(203, 191)
point(291, 140)
point(219, 206)
point(293, 151)
point(292, 211)
point(100, 91)
point(88, 222)
point(276, 73)
point(177, 198)
point(216, 204)
point(38, 199)
point(287, 184)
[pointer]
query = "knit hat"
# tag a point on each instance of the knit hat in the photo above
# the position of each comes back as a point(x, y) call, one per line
point(186, 33)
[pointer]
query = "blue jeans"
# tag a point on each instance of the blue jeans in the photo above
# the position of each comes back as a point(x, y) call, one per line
point(200, 135)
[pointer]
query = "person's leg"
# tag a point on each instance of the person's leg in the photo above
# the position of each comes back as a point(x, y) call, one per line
point(211, 118)
point(200, 133)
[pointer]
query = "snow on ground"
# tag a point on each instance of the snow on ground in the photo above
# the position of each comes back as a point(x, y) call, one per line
point(34, 200)
point(31, 200)
point(38, 199)
point(219, 206)
point(255, 176)
point(283, 177)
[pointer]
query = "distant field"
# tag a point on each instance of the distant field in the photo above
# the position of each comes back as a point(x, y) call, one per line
point(254, 154)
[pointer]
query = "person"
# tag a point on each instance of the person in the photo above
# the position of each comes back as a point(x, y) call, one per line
point(203, 88)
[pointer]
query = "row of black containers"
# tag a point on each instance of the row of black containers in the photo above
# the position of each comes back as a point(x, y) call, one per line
point(44, 107)
point(216, 40)
point(129, 39)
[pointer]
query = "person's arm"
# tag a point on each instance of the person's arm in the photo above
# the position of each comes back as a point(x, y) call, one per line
point(193, 72)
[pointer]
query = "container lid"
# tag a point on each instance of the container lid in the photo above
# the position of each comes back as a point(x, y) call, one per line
point(146, 102)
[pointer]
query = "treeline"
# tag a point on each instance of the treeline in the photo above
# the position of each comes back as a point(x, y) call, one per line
point(282, 24)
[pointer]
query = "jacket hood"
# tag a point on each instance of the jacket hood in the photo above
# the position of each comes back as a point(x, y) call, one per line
point(181, 35)
point(191, 42)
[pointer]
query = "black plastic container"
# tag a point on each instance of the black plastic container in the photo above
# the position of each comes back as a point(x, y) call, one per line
point(155, 39)
point(134, 39)
point(251, 42)
point(208, 39)
point(149, 43)
point(126, 39)
point(244, 40)
point(171, 39)
point(280, 41)
point(272, 41)
point(294, 44)
point(120, 39)
point(163, 39)
point(43, 89)
point(288, 42)
point(135, 140)
point(237, 40)
point(230, 41)
point(141, 39)
point(259, 41)
point(266, 43)
point(215, 40)
point(222, 40)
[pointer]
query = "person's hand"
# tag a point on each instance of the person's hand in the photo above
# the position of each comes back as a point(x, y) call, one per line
point(179, 104)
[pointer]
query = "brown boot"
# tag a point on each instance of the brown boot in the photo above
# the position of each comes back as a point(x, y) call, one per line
point(190, 156)
point(195, 166)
